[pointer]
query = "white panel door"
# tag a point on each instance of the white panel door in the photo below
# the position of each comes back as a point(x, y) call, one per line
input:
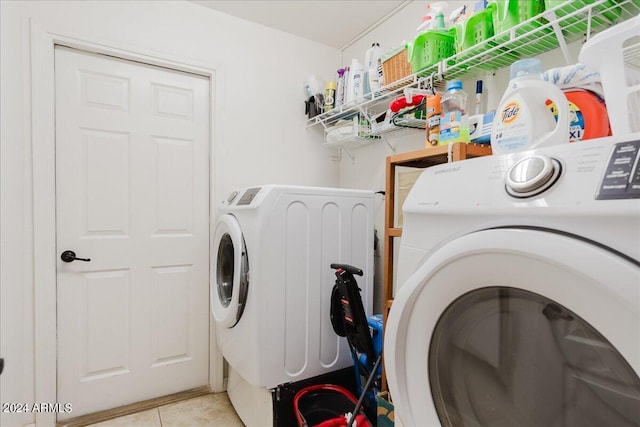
point(132, 195)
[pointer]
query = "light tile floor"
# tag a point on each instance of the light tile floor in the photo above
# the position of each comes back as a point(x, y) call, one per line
point(211, 410)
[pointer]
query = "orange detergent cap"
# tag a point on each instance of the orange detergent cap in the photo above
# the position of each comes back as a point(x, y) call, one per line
point(589, 118)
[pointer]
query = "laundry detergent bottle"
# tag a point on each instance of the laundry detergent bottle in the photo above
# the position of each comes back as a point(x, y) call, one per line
point(523, 120)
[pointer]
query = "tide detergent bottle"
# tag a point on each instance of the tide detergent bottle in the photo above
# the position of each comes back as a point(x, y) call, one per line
point(523, 120)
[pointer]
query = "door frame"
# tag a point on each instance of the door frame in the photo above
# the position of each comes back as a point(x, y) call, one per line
point(43, 140)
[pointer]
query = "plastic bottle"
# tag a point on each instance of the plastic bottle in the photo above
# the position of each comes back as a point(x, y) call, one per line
point(366, 86)
point(375, 78)
point(478, 99)
point(439, 24)
point(345, 91)
point(588, 116)
point(480, 5)
point(523, 120)
point(340, 88)
point(312, 85)
point(354, 85)
point(372, 56)
point(329, 96)
point(429, 20)
point(460, 14)
point(371, 66)
point(364, 126)
point(454, 119)
point(433, 119)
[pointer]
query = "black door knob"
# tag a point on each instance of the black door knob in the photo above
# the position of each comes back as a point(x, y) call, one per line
point(70, 256)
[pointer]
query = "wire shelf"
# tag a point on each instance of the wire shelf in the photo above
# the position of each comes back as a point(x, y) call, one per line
point(554, 28)
point(573, 19)
point(349, 134)
point(352, 142)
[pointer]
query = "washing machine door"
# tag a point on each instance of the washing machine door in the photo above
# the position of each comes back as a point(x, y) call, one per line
point(510, 327)
point(229, 281)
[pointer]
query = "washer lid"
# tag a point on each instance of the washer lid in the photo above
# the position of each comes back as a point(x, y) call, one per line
point(229, 275)
point(517, 327)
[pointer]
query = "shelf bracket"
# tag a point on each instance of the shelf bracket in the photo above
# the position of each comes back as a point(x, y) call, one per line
point(345, 151)
point(364, 113)
point(389, 144)
point(437, 76)
point(410, 91)
point(337, 156)
point(430, 82)
point(589, 15)
point(551, 17)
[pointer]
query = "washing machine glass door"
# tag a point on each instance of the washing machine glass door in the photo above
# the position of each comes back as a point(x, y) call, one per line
point(229, 281)
point(517, 328)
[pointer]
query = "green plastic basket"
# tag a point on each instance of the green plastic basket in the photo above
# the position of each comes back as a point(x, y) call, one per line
point(431, 47)
point(608, 8)
point(509, 13)
point(603, 15)
point(476, 29)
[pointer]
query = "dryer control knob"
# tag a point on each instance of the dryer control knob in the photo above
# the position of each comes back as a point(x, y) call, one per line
point(532, 175)
point(232, 196)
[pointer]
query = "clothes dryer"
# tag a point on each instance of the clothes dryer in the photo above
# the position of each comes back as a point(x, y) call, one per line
point(519, 291)
point(271, 285)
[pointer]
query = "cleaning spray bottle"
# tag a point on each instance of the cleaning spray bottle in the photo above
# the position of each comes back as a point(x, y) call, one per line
point(340, 88)
point(523, 120)
point(429, 19)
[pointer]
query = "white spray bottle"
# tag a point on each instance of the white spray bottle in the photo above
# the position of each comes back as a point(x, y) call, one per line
point(523, 120)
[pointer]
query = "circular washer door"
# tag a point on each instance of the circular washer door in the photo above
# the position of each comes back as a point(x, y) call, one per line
point(511, 327)
point(229, 281)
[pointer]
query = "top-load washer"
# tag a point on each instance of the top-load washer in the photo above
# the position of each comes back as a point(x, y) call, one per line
point(518, 300)
point(271, 285)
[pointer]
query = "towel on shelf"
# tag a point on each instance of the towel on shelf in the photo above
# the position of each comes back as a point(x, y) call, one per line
point(577, 76)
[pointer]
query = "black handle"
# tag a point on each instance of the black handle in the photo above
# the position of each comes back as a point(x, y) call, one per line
point(70, 256)
point(348, 268)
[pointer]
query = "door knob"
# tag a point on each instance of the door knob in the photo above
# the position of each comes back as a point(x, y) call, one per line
point(70, 256)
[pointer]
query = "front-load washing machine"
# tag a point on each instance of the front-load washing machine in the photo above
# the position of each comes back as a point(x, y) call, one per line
point(271, 285)
point(518, 300)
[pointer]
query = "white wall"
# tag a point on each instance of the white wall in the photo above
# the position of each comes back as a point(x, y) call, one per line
point(367, 171)
point(259, 135)
point(259, 120)
point(370, 160)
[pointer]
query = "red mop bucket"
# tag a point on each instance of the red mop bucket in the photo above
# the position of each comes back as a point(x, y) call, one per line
point(325, 405)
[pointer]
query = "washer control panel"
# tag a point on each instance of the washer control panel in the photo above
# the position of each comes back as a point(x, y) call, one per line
point(621, 179)
point(532, 175)
point(248, 196)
